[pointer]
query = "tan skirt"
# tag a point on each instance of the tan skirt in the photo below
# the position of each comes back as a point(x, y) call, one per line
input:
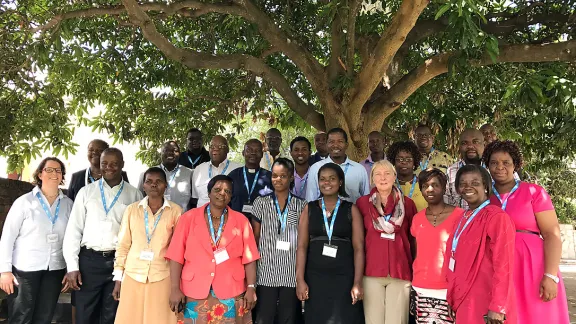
point(145, 303)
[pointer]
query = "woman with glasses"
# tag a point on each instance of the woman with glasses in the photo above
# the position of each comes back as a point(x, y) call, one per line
point(405, 157)
point(213, 258)
point(275, 222)
point(540, 292)
point(31, 262)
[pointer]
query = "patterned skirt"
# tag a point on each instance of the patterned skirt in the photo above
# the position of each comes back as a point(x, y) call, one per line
point(216, 311)
point(429, 306)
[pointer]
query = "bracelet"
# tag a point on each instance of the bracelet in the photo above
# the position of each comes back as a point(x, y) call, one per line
point(252, 286)
point(553, 277)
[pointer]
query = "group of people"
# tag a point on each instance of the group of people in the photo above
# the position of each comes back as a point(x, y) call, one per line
point(406, 235)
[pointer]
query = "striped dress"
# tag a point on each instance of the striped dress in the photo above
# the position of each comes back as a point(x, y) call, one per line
point(277, 268)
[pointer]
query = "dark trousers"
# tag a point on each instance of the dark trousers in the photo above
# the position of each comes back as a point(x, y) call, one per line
point(278, 303)
point(94, 302)
point(34, 299)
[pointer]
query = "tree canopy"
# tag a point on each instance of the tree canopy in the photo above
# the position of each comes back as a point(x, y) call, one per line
point(161, 67)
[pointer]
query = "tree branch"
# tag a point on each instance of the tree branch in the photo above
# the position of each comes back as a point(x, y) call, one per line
point(387, 46)
point(354, 8)
point(437, 65)
point(336, 44)
point(196, 60)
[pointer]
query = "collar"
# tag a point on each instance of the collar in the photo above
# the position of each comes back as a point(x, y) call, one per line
point(347, 161)
point(161, 166)
point(106, 186)
point(248, 170)
point(144, 203)
point(36, 190)
point(296, 175)
point(222, 164)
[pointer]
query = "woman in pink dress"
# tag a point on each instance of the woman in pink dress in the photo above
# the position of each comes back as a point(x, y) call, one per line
point(540, 292)
point(481, 255)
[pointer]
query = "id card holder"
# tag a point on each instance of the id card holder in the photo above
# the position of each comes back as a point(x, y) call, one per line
point(452, 264)
point(282, 245)
point(329, 250)
point(52, 238)
point(147, 255)
point(221, 255)
point(387, 236)
point(247, 209)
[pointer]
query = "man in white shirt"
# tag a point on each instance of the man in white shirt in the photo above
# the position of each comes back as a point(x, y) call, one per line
point(356, 179)
point(91, 238)
point(219, 164)
point(179, 177)
point(273, 142)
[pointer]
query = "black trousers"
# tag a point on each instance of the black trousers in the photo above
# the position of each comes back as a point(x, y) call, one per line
point(34, 299)
point(94, 301)
point(277, 305)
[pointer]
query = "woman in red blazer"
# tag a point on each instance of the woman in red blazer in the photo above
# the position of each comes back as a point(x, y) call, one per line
point(212, 261)
point(387, 217)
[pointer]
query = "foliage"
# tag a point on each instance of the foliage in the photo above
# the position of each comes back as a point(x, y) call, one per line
point(52, 77)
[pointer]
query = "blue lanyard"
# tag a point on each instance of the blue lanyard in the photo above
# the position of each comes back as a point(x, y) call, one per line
point(424, 166)
point(346, 168)
point(302, 185)
point(461, 164)
point(148, 235)
point(250, 190)
point(223, 171)
point(215, 238)
point(411, 189)
point(173, 174)
point(457, 235)
point(195, 161)
point(505, 202)
point(54, 218)
point(268, 161)
point(90, 176)
point(330, 228)
point(108, 209)
point(283, 216)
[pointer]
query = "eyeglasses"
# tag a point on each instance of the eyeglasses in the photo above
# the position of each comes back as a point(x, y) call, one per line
point(52, 170)
point(273, 137)
point(218, 147)
point(423, 136)
point(401, 160)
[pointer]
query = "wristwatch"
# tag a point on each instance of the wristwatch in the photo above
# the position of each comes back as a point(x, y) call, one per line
point(553, 277)
point(252, 286)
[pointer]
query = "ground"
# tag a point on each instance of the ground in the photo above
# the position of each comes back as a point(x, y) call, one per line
point(569, 273)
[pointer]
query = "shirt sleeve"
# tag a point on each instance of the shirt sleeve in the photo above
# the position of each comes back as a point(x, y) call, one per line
point(177, 246)
point(541, 201)
point(124, 240)
point(74, 232)
point(250, 253)
point(195, 176)
point(312, 187)
point(11, 230)
point(364, 184)
point(257, 207)
point(502, 237)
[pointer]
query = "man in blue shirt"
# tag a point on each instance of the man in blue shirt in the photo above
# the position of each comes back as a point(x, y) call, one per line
point(250, 181)
point(356, 179)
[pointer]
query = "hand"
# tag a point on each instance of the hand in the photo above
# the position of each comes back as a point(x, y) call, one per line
point(74, 279)
point(357, 293)
point(7, 282)
point(249, 299)
point(176, 298)
point(548, 289)
point(116, 291)
point(302, 290)
point(65, 284)
point(495, 318)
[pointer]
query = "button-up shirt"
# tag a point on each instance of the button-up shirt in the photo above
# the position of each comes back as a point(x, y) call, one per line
point(24, 242)
point(300, 184)
point(179, 189)
point(356, 180)
point(132, 241)
point(267, 159)
point(436, 159)
point(201, 178)
point(368, 163)
point(89, 226)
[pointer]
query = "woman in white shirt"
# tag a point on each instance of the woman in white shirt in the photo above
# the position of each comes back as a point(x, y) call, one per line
point(32, 266)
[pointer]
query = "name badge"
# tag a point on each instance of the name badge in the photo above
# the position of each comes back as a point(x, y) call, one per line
point(451, 264)
point(221, 255)
point(387, 236)
point(329, 250)
point(282, 245)
point(247, 209)
point(147, 255)
point(52, 238)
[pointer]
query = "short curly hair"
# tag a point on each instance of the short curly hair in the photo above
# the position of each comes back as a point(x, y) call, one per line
point(506, 146)
point(406, 146)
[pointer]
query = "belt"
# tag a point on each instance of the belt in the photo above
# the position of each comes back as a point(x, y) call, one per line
point(105, 254)
point(528, 232)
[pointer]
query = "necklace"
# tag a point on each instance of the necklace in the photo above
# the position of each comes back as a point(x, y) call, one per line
point(436, 215)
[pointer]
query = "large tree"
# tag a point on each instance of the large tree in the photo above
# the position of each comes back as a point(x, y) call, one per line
point(159, 67)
